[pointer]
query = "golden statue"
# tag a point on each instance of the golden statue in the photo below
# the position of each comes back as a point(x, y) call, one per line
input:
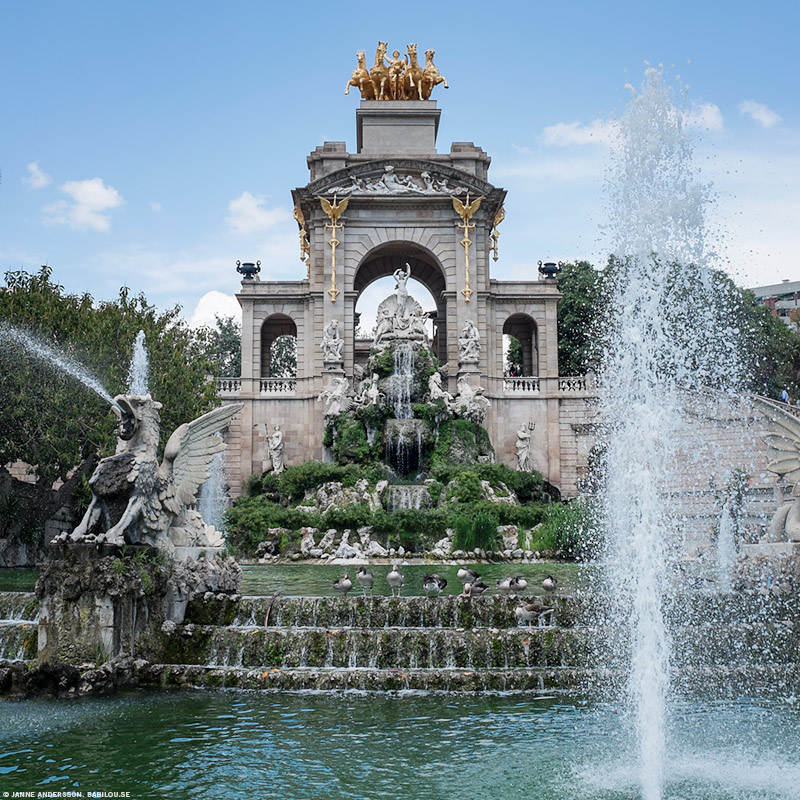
point(466, 212)
point(401, 79)
point(360, 78)
point(305, 249)
point(333, 211)
point(431, 76)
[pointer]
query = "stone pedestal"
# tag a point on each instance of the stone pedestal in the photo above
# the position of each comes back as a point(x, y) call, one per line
point(397, 127)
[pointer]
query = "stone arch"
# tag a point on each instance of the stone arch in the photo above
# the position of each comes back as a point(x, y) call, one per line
point(426, 268)
point(523, 328)
point(274, 326)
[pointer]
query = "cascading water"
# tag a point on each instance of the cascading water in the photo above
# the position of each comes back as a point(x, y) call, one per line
point(726, 549)
point(398, 387)
point(59, 360)
point(138, 374)
point(213, 496)
point(665, 336)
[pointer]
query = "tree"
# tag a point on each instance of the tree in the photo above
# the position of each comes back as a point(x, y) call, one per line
point(52, 422)
point(283, 357)
point(225, 347)
point(580, 312)
point(514, 357)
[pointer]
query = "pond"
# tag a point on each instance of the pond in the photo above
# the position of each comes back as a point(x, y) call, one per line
point(220, 745)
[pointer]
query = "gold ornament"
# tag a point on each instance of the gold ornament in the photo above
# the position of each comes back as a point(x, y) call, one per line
point(498, 218)
point(466, 211)
point(333, 211)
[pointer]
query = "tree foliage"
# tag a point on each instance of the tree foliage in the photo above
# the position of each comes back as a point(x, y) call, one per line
point(224, 350)
point(760, 352)
point(50, 420)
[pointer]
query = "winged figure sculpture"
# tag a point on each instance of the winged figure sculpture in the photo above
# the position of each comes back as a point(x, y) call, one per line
point(333, 210)
point(136, 500)
point(466, 210)
point(783, 443)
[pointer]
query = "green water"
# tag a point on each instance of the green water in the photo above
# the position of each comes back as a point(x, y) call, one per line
point(18, 580)
point(218, 745)
point(317, 580)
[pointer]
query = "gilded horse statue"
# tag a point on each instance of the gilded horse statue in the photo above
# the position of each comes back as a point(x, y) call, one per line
point(431, 76)
point(379, 74)
point(412, 81)
point(360, 78)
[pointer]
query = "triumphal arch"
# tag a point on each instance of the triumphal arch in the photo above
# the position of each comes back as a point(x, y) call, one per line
point(398, 204)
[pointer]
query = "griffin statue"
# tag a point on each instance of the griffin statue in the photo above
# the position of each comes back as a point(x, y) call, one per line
point(136, 500)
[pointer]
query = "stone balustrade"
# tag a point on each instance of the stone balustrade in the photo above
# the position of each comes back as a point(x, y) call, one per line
point(568, 385)
point(232, 387)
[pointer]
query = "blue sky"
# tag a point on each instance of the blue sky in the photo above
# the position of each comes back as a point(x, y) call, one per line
point(154, 144)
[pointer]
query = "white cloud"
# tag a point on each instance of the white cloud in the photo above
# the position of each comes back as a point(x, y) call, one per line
point(155, 206)
point(35, 178)
point(248, 214)
point(215, 303)
point(759, 112)
point(706, 116)
point(547, 168)
point(563, 134)
point(91, 199)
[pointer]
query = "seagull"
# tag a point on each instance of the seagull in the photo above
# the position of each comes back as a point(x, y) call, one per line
point(518, 584)
point(433, 584)
point(530, 612)
point(549, 584)
point(395, 580)
point(467, 575)
point(504, 585)
point(343, 585)
point(365, 580)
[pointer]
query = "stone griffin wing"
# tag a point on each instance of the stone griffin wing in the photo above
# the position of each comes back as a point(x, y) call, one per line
point(188, 455)
point(783, 441)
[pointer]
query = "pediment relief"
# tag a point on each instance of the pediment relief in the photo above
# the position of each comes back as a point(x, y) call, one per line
point(407, 177)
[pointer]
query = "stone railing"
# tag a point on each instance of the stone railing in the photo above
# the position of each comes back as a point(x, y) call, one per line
point(229, 385)
point(277, 385)
point(521, 385)
point(569, 385)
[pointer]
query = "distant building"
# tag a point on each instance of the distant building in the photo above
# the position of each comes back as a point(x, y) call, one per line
point(783, 299)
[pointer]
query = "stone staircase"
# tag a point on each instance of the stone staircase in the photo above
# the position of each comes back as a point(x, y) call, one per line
point(721, 644)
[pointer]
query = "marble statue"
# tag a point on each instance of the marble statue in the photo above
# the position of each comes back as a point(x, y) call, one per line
point(469, 344)
point(524, 447)
point(437, 392)
point(369, 394)
point(136, 500)
point(336, 399)
point(470, 402)
point(332, 343)
point(276, 450)
point(783, 443)
point(400, 316)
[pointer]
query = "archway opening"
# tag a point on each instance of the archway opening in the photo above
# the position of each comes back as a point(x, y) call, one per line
point(278, 344)
point(373, 282)
point(520, 346)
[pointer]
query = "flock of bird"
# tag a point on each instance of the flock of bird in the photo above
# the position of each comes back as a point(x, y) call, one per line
point(472, 586)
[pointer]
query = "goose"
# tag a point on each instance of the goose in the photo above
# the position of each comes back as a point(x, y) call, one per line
point(549, 584)
point(343, 585)
point(467, 575)
point(395, 580)
point(477, 588)
point(504, 585)
point(530, 612)
point(518, 584)
point(433, 584)
point(365, 579)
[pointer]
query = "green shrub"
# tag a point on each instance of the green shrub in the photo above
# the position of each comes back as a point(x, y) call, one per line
point(465, 487)
point(350, 445)
point(475, 530)
point(573, 529)
point(435, 492)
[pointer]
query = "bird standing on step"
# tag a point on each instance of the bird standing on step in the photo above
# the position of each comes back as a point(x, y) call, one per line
point(478, 588)
point(467, 575)
point(343, 585)
point(549, 584)
point(531, 612)
point(395, 580)
point(518, 584)
point(366, 580)
point(433, 584)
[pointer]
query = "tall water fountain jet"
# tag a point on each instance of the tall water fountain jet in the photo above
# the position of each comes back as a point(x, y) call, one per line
point(663, 340)
point(57, 359)
point(138, 374)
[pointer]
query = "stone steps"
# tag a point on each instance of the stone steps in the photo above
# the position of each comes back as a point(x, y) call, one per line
point(717, 682)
